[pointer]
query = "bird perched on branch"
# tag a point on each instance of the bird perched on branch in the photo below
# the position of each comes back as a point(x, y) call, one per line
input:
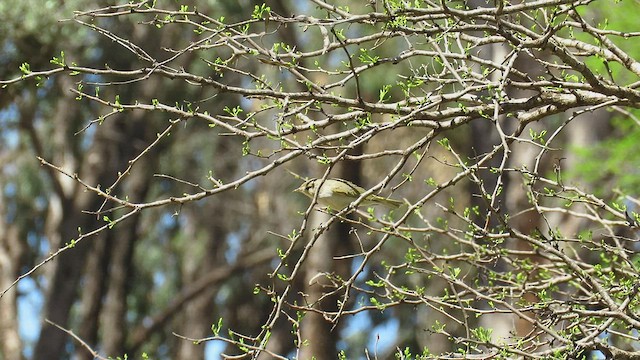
point(337, 194)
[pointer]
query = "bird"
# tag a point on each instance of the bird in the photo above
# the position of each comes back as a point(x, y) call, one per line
point(337, 194)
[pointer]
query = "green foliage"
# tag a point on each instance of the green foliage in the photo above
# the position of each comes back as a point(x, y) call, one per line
point(260, 11)
point(611, 158)
point(59, 60)
point(215, 328)
point(483, 335)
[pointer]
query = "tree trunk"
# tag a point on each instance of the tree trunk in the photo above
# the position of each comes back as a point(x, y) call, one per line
point(11, 250)
point(316, 332)
point(103, 163)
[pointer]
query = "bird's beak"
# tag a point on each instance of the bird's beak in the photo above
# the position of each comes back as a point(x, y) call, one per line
point(299, 189)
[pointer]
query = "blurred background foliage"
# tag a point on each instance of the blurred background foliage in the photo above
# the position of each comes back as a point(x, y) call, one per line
point(180, 268)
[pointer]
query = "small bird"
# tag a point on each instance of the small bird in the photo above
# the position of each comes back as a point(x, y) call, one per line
point(337, 194)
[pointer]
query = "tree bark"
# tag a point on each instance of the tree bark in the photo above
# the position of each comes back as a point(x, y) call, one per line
point(11, 254)
point(92, 295)
point(319, 341)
